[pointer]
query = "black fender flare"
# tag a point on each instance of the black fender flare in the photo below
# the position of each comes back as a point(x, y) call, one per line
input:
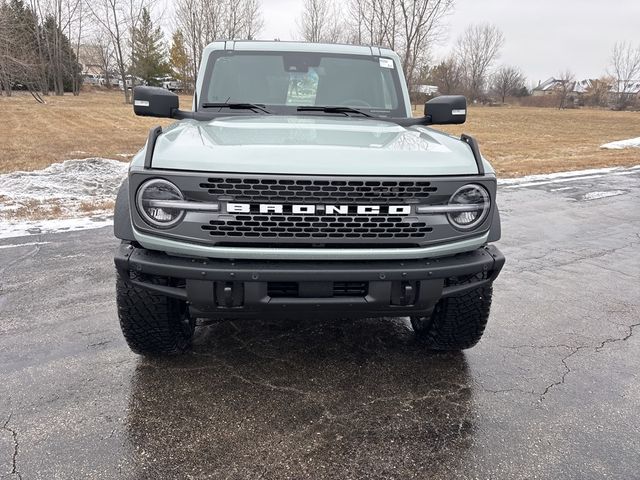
point(122, 228)
point(495, 231)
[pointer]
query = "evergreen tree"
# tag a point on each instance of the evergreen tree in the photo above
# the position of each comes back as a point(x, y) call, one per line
point(148, 60)
point(178, 58)
point(63, 63)
point(34, 55)
point(20, 62)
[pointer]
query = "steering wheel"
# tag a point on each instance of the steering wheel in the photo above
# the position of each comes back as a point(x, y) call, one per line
point(355, 103)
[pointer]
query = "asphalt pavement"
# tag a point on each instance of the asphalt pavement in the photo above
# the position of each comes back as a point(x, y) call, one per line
point(552, 391)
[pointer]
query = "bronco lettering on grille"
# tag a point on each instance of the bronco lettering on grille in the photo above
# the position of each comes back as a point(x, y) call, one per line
point(266, 208)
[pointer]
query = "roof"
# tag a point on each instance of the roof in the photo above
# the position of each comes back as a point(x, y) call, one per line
point(582, 86)
point(551, 84)
point(278, 46)
point(548, 84)
point(628, 87)
point(428, 89)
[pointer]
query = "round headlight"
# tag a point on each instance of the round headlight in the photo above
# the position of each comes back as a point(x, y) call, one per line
point(473, 204)
point(152, 200)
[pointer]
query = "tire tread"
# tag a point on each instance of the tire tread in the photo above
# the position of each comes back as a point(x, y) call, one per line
point(457, 323)
point(150, 322)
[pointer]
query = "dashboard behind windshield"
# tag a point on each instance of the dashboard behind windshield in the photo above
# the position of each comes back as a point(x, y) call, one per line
point(284, 81)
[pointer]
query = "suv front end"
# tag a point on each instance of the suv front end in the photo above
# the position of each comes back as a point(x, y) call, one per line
point(326, 213)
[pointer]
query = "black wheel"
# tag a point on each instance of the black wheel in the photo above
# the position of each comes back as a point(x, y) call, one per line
point(152, 324)
point(456, 322)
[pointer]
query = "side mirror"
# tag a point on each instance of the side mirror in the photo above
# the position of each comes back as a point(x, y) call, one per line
point(154, 102)
point(446, 110)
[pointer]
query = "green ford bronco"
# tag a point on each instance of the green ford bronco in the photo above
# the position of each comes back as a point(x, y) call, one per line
point(300, 185)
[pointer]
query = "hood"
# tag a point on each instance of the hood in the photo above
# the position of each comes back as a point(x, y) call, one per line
point(310, 145)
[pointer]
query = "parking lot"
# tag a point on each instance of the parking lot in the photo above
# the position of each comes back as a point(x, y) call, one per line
point(552, 390)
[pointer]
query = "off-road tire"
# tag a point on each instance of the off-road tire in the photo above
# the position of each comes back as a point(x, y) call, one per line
point(152, 324)
point(457, 322)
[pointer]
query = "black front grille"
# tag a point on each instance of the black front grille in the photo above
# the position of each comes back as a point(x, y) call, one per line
point(317, 227)
point(350, 289)
point(282, 289)
point(340, 289)
point(317, 191)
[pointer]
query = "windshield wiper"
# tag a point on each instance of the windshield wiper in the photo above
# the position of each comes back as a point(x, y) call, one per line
point(345, 110)
point(238, 106)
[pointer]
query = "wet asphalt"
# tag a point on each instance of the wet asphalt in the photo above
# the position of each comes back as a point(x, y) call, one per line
point(552, 391)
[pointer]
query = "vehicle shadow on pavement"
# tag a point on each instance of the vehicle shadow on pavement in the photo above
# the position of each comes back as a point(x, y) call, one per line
point(303, 398)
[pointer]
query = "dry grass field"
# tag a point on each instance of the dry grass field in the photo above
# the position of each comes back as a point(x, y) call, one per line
point(518, 140)
point(526, 140)
point(93, 124)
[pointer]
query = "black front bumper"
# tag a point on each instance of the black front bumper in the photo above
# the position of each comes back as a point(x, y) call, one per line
point(228, 288)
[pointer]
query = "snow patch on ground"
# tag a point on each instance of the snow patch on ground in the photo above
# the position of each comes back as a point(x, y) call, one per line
point(22, 228)
point(622, 144)
point(597, 195)
point(71, 195)
point(91, 179)
point(560, 177)
point(18, 245)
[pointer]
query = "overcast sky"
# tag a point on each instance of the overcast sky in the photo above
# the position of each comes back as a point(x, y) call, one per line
point(543, 37)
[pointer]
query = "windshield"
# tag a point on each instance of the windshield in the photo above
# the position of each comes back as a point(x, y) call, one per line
point(284, 81)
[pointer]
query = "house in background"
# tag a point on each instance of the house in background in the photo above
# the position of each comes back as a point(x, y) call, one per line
point(91, 62)
point(625, 92)
point(582, 87)
point(548, 87)
point(426, 89)
point(594, 92)
point(553, 85)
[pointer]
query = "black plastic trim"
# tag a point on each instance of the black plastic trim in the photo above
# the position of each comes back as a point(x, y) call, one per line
point(174, 292)
point(206, 276)
point(473, 144)
point(154, 133)
point(122, 228)
point(495, 231)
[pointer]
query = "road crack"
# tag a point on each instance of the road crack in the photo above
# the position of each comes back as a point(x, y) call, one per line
point(533, 264)
point(16, 447)
point(567, 371)
point(622, 339)
point(564, 360)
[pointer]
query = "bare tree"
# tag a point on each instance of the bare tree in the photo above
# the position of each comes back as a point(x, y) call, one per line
point(625, 69)
point(76, 22)
point(566, 82)
point(192, 25)
point(597, 94)
point(60, 23)
point(254, 23)
point(22, 60)
point(447, 76)
point(6, 56)
point(507, 81)
point(42, 49)
point(234, 19)
point(203, 21)
point(477, 49)
point(406, 26)
point(118, 19)
point(421, 21)
point(373, 22)
point(105, 55)
point(316, 20)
